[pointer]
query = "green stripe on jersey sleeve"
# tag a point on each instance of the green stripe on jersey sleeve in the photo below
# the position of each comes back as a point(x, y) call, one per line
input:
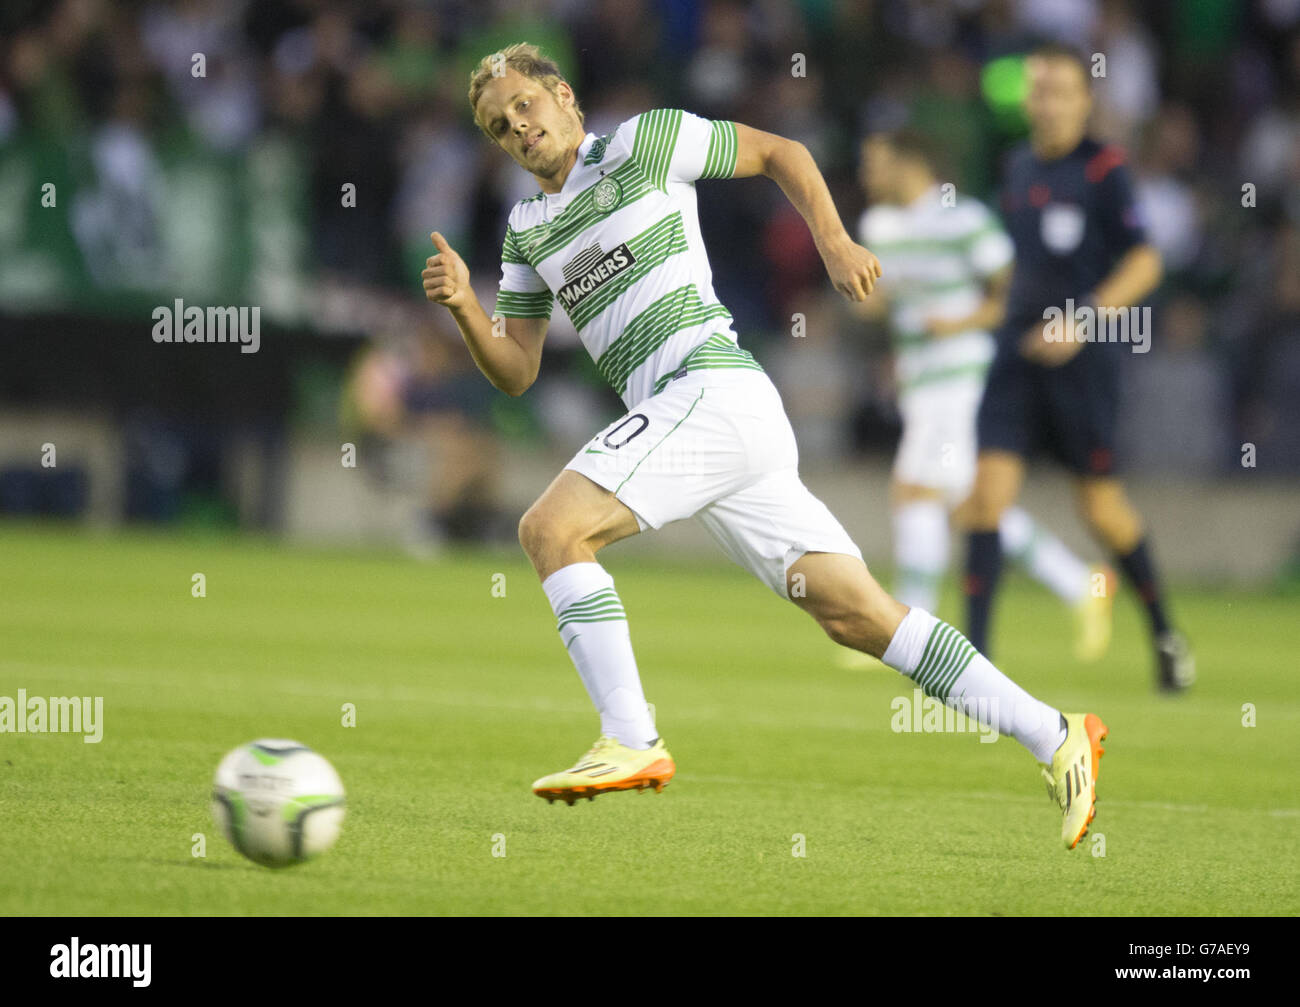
point(510, 250)
point(521, 304)
point(656, 139)
point(723, 150)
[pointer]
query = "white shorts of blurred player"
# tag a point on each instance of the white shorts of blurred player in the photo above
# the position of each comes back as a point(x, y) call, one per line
point(938, 446)
point(716, 445)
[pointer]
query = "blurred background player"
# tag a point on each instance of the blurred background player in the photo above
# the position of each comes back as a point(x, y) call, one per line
point(947, 266)
point(1069, 206)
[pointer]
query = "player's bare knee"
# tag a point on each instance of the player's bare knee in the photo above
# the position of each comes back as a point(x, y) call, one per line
point(536, 531)
point(549, 537)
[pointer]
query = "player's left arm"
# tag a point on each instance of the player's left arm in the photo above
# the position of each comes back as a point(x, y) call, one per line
point(852, 269)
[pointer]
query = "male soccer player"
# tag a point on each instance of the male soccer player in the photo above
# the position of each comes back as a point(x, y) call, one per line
point(614, 236)
point(949, 262)
point(1069, 206)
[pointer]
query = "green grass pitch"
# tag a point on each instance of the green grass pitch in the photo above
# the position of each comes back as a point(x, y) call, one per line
point(463, 698)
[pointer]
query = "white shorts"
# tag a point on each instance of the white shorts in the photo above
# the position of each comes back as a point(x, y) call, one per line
point(938, 447)
point(716, 445)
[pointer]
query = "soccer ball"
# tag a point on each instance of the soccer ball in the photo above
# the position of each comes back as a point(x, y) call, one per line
point(278, 802)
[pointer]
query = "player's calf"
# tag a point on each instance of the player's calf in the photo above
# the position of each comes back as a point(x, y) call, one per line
point(850, 606)
point(1106, 510)
point(1115, 522)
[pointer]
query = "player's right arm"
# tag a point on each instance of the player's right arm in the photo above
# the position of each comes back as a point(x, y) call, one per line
point(853, 269)
point(507, 350)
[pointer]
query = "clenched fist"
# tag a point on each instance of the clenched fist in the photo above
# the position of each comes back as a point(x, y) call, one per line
point(852, 269)
point(446, 277)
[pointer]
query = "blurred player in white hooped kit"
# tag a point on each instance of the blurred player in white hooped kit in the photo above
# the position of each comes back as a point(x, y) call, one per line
point(1069, 206)
point(948, 263)
point(614, 236)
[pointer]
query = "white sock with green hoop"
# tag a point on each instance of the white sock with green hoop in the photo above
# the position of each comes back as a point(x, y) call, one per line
point(594, 629)
point(945, 665)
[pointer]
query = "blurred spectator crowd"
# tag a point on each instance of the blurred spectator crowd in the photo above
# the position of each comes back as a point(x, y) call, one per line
point(229, 184)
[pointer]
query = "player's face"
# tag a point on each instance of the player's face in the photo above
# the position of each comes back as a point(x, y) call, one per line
point(879, 170)
point(535, 127)
point(1058, 102)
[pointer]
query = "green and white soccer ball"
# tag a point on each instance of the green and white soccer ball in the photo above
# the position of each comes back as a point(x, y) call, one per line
point(278, 802)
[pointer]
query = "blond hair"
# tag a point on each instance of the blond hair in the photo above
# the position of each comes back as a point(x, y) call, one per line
point(523, 58)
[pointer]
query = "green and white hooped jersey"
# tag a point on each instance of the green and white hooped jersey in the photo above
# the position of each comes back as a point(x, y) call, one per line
point(620, 248)
point(936, 259)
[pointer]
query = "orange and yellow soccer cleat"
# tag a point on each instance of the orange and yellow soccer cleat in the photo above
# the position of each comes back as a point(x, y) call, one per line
point(609, 766)
point(1072, 777)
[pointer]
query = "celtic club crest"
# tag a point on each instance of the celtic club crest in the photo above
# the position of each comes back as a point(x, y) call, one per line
point(607, 195)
